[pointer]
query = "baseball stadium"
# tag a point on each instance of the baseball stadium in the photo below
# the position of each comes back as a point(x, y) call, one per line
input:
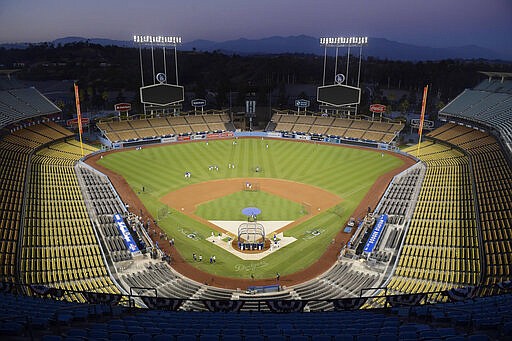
point(319, 227)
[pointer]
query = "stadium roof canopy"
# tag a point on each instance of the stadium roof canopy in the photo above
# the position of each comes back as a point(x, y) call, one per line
point(20, 104)
point(501, 75)
point(488, 104)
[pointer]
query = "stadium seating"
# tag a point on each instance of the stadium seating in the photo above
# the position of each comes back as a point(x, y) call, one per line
point(441, 246)
point(493, 186)
point(40, 318)
point(103, 205)
point(163, 126)
point(466, 195)
point(400, 197)
point(13, 164)
point(20, 104)
point(343, 280)
point(489, 104)
point(57, 231)
point(59, 245)
point(360, 129)
point(15, 150)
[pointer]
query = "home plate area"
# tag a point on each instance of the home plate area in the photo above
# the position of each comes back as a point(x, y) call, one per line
point(232, 227)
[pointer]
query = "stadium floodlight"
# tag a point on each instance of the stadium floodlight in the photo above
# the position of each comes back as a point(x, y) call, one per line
point(337, 42)
point(343, 41)
point(157, 40)
point(161, 94)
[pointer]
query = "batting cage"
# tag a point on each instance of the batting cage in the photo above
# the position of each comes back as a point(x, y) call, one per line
point(251, 236)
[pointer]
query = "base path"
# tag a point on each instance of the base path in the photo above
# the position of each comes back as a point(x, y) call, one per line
point(187, 199)
point(316, 269)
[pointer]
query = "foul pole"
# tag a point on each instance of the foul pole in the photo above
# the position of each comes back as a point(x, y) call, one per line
point(79, 117)
point(422, 118)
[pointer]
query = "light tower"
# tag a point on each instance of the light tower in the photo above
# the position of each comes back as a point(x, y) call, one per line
point(159, 97)
point(340, 95)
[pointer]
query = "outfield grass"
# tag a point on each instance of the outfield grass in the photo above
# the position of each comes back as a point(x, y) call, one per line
point(347, 172)
point(230, 207)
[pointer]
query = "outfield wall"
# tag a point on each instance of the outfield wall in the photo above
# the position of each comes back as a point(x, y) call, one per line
point(224, 135)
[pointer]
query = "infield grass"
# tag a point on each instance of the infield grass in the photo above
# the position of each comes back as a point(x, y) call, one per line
point(230, 207)
point(346, 172)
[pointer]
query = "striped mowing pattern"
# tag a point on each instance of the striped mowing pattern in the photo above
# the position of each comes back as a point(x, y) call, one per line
point(346, 172)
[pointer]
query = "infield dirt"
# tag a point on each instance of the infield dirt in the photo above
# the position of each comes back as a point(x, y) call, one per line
point(187, 199)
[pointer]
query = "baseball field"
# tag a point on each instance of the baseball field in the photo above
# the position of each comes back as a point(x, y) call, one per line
point(317, 186)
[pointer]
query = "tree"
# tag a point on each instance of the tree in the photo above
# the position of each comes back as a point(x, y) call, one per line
point(404, 106)
point(282, 98)
point(104, 96)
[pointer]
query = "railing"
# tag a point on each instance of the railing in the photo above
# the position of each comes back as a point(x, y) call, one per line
point(261, 303)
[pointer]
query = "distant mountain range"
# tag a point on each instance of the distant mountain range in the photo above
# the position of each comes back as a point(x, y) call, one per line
point(377, 47)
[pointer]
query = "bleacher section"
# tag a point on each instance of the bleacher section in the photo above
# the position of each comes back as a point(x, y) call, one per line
point(164, 126)
point(21, 104)
point(359, 129)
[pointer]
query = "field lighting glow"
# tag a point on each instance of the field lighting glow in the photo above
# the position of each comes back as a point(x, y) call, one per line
point(149, 39)
point(343, 40)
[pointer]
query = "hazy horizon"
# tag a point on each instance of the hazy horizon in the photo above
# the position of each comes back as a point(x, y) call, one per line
point(436, 23)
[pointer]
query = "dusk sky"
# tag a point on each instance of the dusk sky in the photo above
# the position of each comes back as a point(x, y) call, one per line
point(436, 23)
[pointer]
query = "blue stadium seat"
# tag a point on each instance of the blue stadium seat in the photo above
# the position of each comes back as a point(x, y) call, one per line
point(11, 328)
point(366, 338)
point(186, 338)
point(478, 337)
point(162, 337)
point(119, 336)
point(231, 337)
point(321, 337)
point(387, 337)
point(77, 332)
point(408, 335)
point(455, 338)
point(51, 338)
point(213, 337)
point(141, 337)
point(98, 334)
point(447, 332)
